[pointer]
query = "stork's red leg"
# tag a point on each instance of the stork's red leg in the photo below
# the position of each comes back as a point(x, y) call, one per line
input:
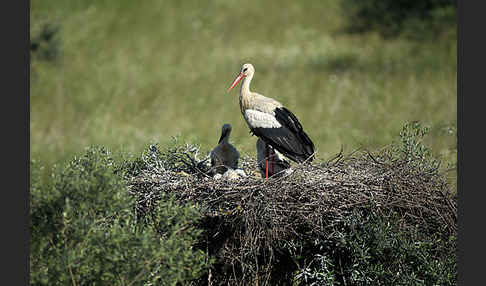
point(271, 165)
point(266, 171)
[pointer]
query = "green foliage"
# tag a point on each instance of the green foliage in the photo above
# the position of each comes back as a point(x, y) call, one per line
point(181, 262)
point(370, 250)
point(411, 148)
point(320, 271)
point(384, 254)
point(84, 230)
point(417, 18)
point(149, 158)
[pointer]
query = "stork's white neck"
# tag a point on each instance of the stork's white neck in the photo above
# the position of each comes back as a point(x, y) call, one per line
point(245, 86)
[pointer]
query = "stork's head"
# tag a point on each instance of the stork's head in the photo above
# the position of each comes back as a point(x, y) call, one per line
point(225, 132)
point(247, 70)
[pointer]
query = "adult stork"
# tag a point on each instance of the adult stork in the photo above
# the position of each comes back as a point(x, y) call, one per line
point(224, 156)
point(271, 121)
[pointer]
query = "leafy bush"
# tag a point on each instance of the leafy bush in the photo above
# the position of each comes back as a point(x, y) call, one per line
point(392, 17)
point(367, 249)
point(411, 149)
point(85, 232)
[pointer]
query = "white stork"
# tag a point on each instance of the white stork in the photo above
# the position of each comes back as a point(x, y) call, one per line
point(271, 121)
point(224, 156)
point(276, 163)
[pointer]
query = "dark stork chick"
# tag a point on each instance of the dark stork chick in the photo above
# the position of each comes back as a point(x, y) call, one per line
point(269, 120)
point(224, 156)
point(276, 162)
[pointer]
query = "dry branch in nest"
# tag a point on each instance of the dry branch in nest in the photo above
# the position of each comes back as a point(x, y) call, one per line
point(248, 217)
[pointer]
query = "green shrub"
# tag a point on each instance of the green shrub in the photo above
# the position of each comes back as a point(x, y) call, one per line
point(84, 230)
point(373, 250)
point(417, 18)
point(411, 149)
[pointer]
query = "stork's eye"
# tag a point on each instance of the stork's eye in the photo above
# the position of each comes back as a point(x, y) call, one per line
point(244, 70)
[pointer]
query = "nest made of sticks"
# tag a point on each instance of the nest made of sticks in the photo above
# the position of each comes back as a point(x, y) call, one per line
point(303, 204)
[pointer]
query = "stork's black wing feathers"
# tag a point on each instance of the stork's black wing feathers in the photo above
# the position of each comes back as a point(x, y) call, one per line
point(287, 118)
point(290, 139)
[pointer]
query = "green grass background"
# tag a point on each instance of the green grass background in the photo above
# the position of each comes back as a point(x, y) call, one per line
point(134, 72)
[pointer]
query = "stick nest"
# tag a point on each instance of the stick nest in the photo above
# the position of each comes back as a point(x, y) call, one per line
point(251, 215)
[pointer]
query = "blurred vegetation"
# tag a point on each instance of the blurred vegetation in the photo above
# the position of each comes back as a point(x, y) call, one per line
point(416, 19)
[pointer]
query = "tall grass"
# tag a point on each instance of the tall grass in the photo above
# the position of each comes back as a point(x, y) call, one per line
point(132, 72)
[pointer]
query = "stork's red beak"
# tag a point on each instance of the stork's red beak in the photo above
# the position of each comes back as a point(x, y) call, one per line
point(236, 81)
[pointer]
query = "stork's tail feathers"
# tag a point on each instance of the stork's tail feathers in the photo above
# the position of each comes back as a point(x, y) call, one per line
point(308, 146)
